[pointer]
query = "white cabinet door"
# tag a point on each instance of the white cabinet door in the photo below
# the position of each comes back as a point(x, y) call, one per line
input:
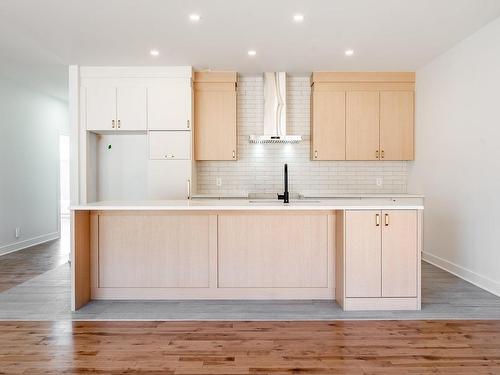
point(131, 108)
point(101, 106)
point(170, 145)
point(169, 105)
point(169, 179)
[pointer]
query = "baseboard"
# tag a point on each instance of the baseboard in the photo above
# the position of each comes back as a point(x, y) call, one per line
point(464, 273)
point(6, 249)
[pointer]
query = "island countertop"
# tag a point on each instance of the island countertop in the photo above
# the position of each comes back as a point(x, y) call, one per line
point(340, 203)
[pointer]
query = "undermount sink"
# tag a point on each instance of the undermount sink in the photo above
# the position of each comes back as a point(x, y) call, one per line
point(279, 203)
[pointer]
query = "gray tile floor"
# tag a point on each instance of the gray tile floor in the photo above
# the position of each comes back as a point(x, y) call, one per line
point(47, 297)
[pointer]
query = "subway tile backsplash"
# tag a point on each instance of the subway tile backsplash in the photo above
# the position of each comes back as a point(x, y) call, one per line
point(259, 168)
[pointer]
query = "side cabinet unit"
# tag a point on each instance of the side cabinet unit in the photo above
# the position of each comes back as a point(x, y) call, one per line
point(215, 136)
point(379, 255)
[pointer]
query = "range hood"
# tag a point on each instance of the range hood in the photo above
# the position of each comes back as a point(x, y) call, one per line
point(275, 111)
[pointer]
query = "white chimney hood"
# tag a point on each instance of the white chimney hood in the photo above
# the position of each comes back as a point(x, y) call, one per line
point(275, 111)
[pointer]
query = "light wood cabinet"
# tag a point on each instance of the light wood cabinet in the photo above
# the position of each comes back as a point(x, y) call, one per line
point(362, 125)
point(169, 104)
point(328, 124)
point(399, 253)
point(110, 107)
point(363, 254)
point(376, 122)
point(136, 251)
point(254, 253)
point(380, 251)
point(215, 135)
point(396, 125)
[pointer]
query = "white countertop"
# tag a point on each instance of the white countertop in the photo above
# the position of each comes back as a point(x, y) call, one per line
point(340, 203)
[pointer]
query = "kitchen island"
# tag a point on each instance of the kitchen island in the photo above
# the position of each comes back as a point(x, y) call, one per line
point(362, 252)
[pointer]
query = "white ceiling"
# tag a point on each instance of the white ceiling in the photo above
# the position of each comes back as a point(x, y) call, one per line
point(42, 37)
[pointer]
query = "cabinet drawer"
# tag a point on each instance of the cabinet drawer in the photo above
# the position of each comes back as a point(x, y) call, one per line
point(170, 145)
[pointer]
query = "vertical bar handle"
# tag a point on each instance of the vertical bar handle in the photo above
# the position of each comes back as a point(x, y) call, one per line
point(234, 154)
point(376, 155)
point(113, 124)
point(386, 220)
point(315, 154)
point(188, 123)
point(188, 189)
point(377, 220)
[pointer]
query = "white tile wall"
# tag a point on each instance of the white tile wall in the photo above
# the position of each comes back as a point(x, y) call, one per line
point(259, 168)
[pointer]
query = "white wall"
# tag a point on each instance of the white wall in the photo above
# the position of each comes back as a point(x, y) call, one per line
point(457, 163)
point(30, 122)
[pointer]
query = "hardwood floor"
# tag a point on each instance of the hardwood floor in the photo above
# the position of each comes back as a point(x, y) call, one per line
point(353, 347)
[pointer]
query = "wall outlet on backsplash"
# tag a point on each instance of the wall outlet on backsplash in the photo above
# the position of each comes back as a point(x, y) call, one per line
point(379, 181)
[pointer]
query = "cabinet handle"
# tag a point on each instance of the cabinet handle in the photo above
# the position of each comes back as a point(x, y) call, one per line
point(119, 124)
point(169, 156)
point(234, 154)
point(386, 220)
point(377, 220)
point(376, 155)
point(188, 124)
point(188, 189)
point(382, 154)
point(315, 154)
point(113, 124)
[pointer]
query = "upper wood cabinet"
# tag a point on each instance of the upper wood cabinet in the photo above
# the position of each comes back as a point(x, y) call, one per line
point(328, 124)
point(362, 125)
point(169, 104)
point(396, 125)
point(113, 107)
point(215, 134)
point(374, 122)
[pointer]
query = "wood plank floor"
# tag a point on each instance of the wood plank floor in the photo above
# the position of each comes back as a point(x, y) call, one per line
point(361, 347)
point(23, 265)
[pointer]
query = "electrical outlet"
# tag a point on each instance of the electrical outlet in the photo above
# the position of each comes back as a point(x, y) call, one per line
point(379, 181)
point(18, 232)
point(218, 181)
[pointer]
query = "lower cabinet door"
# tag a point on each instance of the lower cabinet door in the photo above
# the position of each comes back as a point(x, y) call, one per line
point(399, 253)
point(363, 253)
point(273, 250)
point(153, 251)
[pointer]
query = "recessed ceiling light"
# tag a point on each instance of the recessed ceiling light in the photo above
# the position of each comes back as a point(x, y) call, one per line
point(252, 52)
point(298, 17)
point(349, 52)
point(194, 17)
point(154, 52)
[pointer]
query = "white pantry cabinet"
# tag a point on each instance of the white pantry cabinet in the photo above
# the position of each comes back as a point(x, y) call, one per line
point(169, 104)
point(111, 106)
point(122, 107)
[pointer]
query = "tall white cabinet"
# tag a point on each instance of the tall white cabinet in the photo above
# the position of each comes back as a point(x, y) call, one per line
point(134, 133)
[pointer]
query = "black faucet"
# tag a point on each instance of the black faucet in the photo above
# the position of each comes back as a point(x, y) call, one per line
point(285, 196)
